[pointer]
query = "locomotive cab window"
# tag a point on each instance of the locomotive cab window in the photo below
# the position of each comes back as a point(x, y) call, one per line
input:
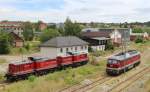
point(112, 61)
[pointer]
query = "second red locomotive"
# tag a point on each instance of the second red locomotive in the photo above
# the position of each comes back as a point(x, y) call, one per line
point(122, 62)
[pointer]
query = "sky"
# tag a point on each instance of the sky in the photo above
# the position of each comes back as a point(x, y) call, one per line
point(77, 10)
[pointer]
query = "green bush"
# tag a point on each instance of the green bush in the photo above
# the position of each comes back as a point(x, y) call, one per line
point(90, 49)
point(109, 46)
point(31, 78)
point(4, 43)
point(28, 46)
point(139, 40)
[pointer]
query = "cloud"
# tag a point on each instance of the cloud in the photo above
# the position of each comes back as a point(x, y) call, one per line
point(79, 10)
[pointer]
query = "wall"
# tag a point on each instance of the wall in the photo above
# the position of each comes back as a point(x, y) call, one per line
point(115, 36)
point(79, 49)
point(19, 44)
point(48, 52)
point(98, 48)
point(52, 52)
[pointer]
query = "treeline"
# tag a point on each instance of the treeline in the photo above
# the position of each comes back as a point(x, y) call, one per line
point(5, 41)
point(69, 28)
point(141, 30)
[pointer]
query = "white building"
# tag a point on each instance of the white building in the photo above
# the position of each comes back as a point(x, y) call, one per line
point(60, 46)
point(99, 37)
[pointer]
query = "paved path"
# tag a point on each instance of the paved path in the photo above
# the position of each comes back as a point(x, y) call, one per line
point(10, 58)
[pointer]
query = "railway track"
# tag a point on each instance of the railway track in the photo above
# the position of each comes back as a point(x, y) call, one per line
point(84, 88)
point(105, 79)
point(127, 82)
point(3, 85)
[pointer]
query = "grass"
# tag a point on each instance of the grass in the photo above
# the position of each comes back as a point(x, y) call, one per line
point(147, 85)
point(57, 80)
point(2, 61)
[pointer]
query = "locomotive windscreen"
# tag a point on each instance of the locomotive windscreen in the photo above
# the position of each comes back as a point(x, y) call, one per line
point(111, 61)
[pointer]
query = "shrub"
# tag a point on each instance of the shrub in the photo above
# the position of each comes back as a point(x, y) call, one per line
point(109, 46)
point(4, 43)
point(90, 49)
point(28, 46)
point(93, 61)
point(139, 40)
point(31, 78)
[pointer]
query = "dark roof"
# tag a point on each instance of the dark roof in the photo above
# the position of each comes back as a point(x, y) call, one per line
point(15, 37)
point(96, 34)
point(104, 32)
point(64, 42)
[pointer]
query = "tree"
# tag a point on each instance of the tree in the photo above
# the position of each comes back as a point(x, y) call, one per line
point(4, 43)
point(71, 28)
point(137, 30)
point(48, 34)
point(28, 32)
point(61, 31)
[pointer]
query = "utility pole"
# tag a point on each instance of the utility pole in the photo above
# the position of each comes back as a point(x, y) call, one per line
point(124, 46)
point(21, 54)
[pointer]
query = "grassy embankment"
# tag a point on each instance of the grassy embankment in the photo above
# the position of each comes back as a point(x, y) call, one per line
point(2, 61)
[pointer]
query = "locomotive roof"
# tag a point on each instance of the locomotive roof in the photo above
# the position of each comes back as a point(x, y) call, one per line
point(123, 56)
point(39, 59)
point(67, 41)
point(22, 62)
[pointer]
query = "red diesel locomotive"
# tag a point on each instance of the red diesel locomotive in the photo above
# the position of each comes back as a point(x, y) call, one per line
point(122, 62)
point(40, 66)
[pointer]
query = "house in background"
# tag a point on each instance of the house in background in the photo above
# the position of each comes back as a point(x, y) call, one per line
point(144, 35)
point(99, 37)
point(12, 26)
point(61, 46)
point(97, 43)
point(16, 40)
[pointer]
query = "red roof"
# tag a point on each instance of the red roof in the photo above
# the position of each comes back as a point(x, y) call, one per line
point(97, 34)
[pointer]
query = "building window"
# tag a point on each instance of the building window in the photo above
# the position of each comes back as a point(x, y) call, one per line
point(61, 50)
point(75, 48)
point(81, 47)
point(88, 31)
point(85, 47)
point(67, 50)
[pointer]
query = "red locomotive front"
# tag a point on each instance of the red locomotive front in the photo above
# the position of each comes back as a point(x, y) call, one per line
point(20, 69)
point(122, 62)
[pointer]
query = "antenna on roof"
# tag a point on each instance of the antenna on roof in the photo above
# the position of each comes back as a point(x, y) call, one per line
point(124, 44)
